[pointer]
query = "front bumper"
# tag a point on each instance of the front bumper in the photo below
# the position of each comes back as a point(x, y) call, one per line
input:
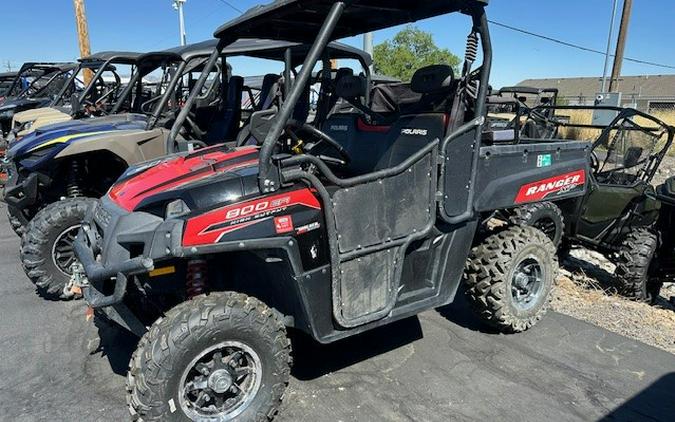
point(106, 241)
point(20, 192)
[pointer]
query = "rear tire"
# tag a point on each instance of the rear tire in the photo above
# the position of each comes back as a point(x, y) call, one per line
point(46, 246)
point(545, 216)
point(634, 265)
point(165, 372)
point(510, 276)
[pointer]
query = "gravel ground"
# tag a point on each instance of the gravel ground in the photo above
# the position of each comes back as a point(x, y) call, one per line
point(585, 292)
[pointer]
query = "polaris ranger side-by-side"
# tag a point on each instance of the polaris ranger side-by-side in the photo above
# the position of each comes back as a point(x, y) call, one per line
point(66, 164)
point(332, 228)
point(622, 215)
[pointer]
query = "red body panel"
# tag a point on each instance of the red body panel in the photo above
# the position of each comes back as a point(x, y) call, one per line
point(209, 227)
point(538, 191)
point(179, 171)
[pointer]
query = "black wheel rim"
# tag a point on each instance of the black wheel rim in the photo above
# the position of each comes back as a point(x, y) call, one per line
point(547, 226)
point(526, 283)
point(63, 253)
point(221, 382)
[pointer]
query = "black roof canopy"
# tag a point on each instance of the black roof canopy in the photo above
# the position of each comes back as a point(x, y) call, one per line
point(299, 20)
point(120, 57)
point(47, 67)
point(275, 49)
point(190, 51)
point(265, 49)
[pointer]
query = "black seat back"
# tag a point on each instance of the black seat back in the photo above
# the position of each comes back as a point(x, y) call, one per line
point(262, 118)
point(374, 147)
point(226, 127)
point(268, 91)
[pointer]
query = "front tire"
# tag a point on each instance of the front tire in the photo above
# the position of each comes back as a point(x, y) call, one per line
point(46, 246)
point(186, 366)
point(510, 276)
point(15, 222)
point(634, 266)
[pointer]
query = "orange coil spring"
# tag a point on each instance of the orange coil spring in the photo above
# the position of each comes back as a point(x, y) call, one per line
point(197, 278)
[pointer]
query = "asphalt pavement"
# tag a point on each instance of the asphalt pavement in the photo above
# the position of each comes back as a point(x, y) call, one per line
point(442, 366)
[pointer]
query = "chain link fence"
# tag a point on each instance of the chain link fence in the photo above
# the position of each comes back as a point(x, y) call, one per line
point(652, 105)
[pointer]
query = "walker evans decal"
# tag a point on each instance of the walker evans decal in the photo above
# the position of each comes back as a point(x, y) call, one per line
point(555, 185)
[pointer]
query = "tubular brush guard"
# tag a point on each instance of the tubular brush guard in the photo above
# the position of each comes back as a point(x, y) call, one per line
point(96, 272)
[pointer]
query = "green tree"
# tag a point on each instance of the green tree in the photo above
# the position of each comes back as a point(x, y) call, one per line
point(411, 49)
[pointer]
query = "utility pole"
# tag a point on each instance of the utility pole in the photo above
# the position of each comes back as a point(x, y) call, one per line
point(178, 5)
point(368, 45)
point(609, 47)
point(621, 45)
point(83, 35)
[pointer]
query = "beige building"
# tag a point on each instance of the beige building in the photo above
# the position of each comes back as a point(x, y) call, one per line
point(647, 93)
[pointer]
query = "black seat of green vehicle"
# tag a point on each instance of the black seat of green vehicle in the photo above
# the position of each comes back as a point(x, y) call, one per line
point(374, 147)
point(666, 191)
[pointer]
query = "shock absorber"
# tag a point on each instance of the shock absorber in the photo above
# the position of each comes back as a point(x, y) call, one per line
point(196, 278)
point(471, 47)
point(74, 178)
point(470, 57)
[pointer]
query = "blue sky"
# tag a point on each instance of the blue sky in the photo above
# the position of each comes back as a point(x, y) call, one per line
point(45, 30)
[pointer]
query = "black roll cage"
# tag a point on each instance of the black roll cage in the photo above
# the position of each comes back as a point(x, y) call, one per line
point(56, 74)
point(102, 66)
point(269, 178)
point(622, 113)
point(225, 48)
point(55, 67)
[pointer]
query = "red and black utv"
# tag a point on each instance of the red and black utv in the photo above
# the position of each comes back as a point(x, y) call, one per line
point(332, 228)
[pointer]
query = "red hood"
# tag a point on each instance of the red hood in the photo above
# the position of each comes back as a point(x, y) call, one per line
point(179, 171)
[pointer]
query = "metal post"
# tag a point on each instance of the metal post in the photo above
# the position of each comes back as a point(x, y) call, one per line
point(609, 47)
point(621, 44)
point(368, 45)
point(83, 35)
point(178, 5)
point(268, 181)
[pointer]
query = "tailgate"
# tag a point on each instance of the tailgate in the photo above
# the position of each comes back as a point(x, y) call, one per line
point(511, 175)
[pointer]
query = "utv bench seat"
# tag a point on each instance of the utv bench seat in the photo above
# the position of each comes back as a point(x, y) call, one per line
point(376, 147)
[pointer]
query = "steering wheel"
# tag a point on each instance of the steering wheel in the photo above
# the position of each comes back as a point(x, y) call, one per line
point(318, 137)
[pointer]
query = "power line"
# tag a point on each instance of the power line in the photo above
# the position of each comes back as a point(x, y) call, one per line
point(199, 19)
point(577, 46)
point(231, 5)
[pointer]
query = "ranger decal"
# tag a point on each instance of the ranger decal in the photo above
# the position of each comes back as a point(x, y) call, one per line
point(555, 185)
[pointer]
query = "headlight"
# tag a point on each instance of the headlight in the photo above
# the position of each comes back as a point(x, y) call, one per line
point(138, 168)
point(177, 208)
point(26, 126)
